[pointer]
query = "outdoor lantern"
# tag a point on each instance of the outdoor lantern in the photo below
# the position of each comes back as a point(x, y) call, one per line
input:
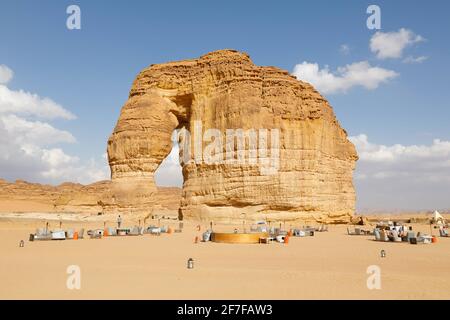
point(383, 254)
point(190, 263)
point(21, 243)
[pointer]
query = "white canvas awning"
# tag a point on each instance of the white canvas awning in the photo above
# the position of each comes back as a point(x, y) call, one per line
point(437, 217)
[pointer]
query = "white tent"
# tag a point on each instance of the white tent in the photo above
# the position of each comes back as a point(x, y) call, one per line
point(437, 217)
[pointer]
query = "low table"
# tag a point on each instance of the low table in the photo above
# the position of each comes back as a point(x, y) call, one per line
point(122, 232)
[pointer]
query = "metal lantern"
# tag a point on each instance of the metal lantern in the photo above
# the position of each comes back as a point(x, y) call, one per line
point(190, 263)
point(383, 254)
point(21, 243)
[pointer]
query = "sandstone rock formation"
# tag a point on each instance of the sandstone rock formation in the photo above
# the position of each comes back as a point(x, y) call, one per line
point(22, 196)
point(225, 90)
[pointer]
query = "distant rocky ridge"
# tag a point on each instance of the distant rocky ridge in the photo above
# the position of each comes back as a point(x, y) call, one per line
point(22, 196)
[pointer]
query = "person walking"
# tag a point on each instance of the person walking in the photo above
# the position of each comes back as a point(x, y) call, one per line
point(119, 221)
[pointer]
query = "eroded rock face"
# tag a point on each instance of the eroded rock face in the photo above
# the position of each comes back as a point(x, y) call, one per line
point(22, 196)
point(225, 90)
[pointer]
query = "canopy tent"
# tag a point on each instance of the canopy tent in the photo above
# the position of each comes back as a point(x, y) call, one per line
point(437, 217)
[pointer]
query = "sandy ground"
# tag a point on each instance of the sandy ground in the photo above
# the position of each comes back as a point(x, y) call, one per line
point(7, 206)
point(330, 265)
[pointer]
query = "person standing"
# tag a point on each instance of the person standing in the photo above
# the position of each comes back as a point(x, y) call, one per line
point(119, 221)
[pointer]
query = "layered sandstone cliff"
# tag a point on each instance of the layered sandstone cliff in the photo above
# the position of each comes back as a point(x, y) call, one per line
point(22, 196)
point(225, 90)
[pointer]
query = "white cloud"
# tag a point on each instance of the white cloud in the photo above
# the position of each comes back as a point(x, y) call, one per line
point(28, 104)
point(352, 75)
point(28, 160)
point(411, 59)
point(392, 44)
point(402, 176)
point(438, 151)
point(27, 143)
point(23, 131)
point(169, 173)
point(62, 167)
point(344, 49)
point(6, 74)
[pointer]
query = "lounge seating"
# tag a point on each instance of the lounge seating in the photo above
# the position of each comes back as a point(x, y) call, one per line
point(426, 239)
point(95, 234)
point(443, 232)
point(410, 235)
point(377, 234)
point(395, 237)
point(359, 232)
point(111, 231)
point(69, 234)
point(258, 228)
point(163, 229)
point(41, 234)
point(384, 237)
point(274, 231)
point(298, 233)
point(322, 228)
point(154, 230)
point(58, 235)
point(206, 236)
point(135, 231)
point(122, 231)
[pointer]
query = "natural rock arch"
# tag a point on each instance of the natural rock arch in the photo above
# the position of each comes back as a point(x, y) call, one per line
point(225, 90)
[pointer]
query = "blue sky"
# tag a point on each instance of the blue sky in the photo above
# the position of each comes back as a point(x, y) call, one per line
point(89, 73)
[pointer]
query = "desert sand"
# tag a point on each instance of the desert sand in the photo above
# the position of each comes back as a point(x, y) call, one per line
point(330, 265)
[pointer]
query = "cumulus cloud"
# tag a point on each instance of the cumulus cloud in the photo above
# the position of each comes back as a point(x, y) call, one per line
point(6, 74)
point(411, 59)
point(62, 167)
point(392, 44)
point(24, 156)
point(27, 141)
point(39, 133)
point(28, 104)
point(169, 173)
point(344, 78)
point(402, 176)
point(438, 152)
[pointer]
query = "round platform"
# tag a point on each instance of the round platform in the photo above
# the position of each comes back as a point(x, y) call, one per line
point(238, 237)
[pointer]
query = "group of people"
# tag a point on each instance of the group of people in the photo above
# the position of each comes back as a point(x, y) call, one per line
point(396, 233)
